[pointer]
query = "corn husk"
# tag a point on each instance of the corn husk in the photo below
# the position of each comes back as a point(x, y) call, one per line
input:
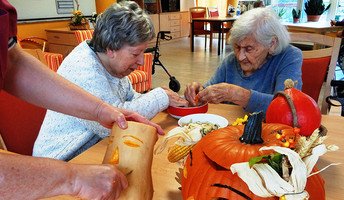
point(263, 181)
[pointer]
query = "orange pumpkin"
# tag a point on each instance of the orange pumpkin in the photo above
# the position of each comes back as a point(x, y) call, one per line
point(207, 174)
point(293, 101)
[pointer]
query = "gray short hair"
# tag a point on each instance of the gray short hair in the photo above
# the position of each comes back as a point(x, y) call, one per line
point(122, 24)
point(264, 25)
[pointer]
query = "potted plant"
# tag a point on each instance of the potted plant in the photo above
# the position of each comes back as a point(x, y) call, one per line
point(79, 21)
point(315, 8)
point(296, 15)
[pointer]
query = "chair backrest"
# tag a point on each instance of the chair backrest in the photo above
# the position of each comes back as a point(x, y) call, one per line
point(53, 60)
point(82, 35)
point(318, 65)
point(33, 43)
point(20, 123)
point(213, 12)
point(198, 12)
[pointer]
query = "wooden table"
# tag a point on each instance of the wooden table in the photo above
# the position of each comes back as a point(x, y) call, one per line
point(312, 27)
point(164, 172)
point(219, 20)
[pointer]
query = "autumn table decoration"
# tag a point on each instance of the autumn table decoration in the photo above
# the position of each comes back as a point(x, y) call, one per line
point(260, 160)
point(131, 151)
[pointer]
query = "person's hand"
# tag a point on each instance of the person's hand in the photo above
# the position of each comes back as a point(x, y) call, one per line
point(192, 89)
point(97, 181)
point(225, 92)
point(174, 98)
point(333, 23)
point(108, 114)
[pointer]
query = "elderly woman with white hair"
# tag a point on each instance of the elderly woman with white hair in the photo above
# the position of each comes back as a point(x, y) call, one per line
point(261, 60)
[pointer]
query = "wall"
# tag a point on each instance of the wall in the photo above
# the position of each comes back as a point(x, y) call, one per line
point(102, 5)
point(186, 4)
point(38, 29)
point(35, 9)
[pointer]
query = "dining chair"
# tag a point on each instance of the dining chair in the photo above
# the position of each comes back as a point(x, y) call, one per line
point(20, 123)
point(33, 42)
point(52, 60)
point(141, 78)
point(200, 28)
point(318, 66)
point(215, 27)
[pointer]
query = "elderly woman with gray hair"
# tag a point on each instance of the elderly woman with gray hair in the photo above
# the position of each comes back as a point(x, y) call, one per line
point(261, 60)
point(100, 66)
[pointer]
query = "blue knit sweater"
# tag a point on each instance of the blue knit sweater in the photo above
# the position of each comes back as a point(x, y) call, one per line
point(266, 81)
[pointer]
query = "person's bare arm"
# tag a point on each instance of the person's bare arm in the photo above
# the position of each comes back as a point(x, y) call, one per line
point(28, 79)
point(26, 177)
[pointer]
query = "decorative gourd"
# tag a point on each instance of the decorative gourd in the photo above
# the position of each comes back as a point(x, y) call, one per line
point(307, 110)
point(207, 175)
point(131, 151)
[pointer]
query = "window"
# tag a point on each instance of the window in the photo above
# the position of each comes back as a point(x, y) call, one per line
point(284, 8)
point(335, 12)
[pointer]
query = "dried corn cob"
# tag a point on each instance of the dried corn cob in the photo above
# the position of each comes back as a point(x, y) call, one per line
point(178, 152)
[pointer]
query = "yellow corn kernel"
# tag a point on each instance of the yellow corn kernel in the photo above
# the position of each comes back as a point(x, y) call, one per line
point(178, 152)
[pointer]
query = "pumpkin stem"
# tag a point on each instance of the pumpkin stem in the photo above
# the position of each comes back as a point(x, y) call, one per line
point(291, 104)
point(253, 129)
point(289, 83)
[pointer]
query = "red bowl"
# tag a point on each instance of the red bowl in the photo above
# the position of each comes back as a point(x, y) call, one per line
point(178, 112)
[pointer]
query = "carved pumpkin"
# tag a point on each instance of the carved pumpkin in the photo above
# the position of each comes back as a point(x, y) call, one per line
point(206, 173)
point(307, 110)
point(131, 151)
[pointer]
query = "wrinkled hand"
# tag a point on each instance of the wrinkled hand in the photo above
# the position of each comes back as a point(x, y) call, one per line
point(333, 23)
point(225, 92)
point(192, 89)
point(175, 99)
point(98, 181)
point(108, 114)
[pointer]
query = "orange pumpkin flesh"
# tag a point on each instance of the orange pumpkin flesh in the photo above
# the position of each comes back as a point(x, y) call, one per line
point(207, 166)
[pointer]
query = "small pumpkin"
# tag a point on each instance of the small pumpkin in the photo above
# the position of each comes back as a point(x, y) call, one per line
point(307, 110)
point(207, 175)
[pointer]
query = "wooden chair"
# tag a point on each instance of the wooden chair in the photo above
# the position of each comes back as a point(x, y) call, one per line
point(318, 67)
point(215, 27)
point(20, 123)
point(141, 78)
point(52, 60)
point(200, 28)
point(33, 43)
